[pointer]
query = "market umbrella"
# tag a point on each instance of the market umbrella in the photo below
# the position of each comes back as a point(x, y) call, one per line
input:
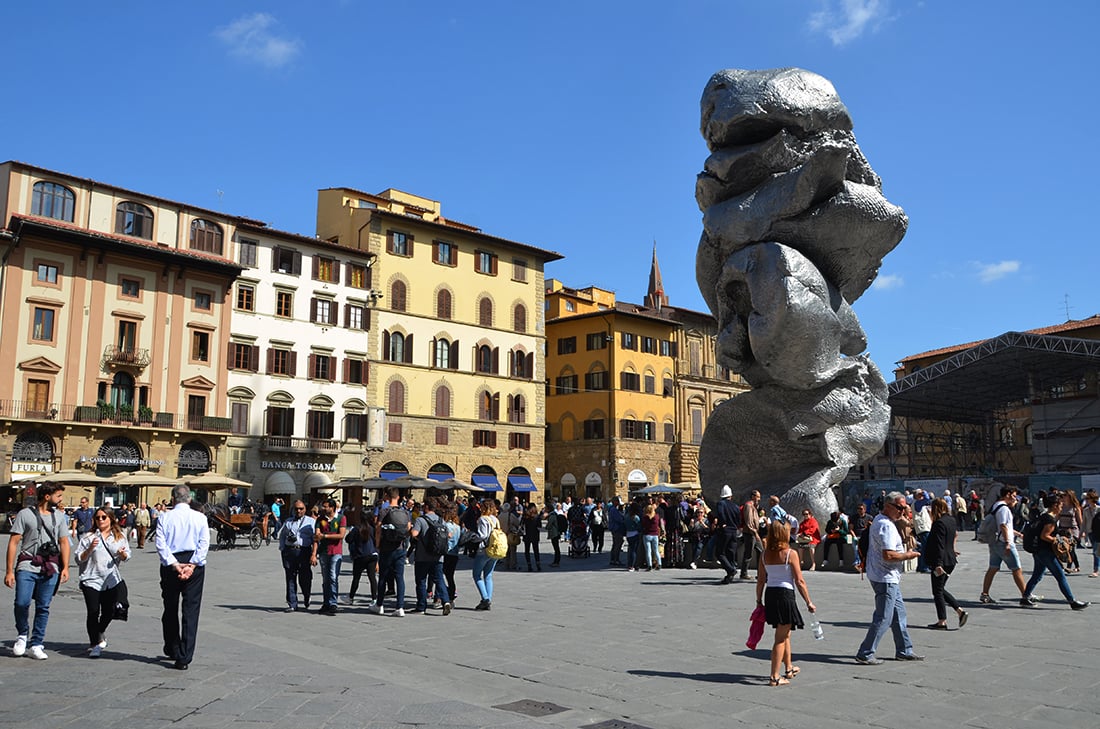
point(658, 488)
point(74, 477)
point(411, 482)
point(143, 478)
point(454, 483)
point(213, 481)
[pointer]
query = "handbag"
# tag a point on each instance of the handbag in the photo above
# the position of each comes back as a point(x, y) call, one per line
point(756, 627)
point(122, 601)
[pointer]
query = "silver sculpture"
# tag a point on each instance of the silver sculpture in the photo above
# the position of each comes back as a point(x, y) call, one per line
point(794, 230)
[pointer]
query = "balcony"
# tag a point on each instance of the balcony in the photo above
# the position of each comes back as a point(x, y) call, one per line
point(110, 415)
point(118, 356)
point(287, 444)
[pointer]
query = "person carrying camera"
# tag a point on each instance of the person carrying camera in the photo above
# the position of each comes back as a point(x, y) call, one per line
point(297, 548)
point(38, 562)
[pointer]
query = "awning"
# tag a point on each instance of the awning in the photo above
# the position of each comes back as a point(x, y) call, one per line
point(391, 475)
point(316, 480)
point(521, 483)
point(279, 482)
point(489, 483)
point(440, 476)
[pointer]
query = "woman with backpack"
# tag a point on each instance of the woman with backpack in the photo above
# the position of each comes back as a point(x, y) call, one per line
point(1040, 539)
point(941, 556)
point(1070, 520)
point(489, 534)
point(364, 556)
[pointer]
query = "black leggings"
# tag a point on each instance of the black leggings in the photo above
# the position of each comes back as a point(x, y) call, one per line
point(370, 564)
point(101, 610)
point(527, 545)
point(941, 596)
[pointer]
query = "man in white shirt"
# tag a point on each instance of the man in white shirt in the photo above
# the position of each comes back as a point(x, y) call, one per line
point(1002, 549)
point(885, 554)
point(182, 539)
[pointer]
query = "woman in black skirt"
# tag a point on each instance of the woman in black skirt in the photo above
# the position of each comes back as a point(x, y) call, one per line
point(776, 580)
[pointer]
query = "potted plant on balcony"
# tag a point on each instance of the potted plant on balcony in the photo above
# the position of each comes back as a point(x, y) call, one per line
point(106, 411)
point(126, 413)
point(145, 414)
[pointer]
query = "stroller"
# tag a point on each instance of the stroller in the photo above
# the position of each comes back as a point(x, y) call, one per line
point(578, 533)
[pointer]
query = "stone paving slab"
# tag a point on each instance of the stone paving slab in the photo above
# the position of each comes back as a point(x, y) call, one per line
point(661, 650)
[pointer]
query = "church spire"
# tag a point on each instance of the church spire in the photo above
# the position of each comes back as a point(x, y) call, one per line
point(655, 298)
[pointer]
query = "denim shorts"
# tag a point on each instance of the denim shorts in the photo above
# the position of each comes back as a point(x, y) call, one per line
point(997, 556)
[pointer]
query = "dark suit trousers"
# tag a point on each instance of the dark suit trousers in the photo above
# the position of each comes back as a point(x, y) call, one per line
point(179, 641)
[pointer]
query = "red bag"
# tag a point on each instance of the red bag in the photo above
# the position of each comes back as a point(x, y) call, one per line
point(756, 627)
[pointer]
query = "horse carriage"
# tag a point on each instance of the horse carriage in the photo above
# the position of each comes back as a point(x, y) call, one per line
point(229, 526)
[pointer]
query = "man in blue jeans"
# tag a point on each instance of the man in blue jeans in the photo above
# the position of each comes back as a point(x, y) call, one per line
point(38, 557)
point(884, 555)
point(329, 535)
point(426, 563)
point(391, 534)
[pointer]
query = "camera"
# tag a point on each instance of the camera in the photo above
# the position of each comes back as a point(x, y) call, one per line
point(46, 550)
point(291, 539)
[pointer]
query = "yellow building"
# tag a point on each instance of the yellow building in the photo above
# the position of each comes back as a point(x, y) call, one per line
point(111, 312)
point(456, 339)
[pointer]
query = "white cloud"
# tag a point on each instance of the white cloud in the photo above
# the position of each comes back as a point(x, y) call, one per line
point(845, 20)
point(251, 37)
point(888, 282)
point(990, 272)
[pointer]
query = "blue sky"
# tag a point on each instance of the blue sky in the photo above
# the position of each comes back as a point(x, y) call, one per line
point(574, 126)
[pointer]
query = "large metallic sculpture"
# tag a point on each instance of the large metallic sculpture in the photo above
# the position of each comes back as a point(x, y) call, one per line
point(794, 230)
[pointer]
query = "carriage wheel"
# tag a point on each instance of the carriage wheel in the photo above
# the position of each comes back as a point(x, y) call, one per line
point(254, 538)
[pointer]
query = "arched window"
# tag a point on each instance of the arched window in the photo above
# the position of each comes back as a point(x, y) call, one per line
point(51, 200)
point(443, 304)
point(397, 397)
point(485, 312)
point(134, 219)
point(443, 402)
point(206, 236)
point(442, 353)
point(486, 359)
point(397, 296)
point(122, 390)
point(519, 318)
point(396, 351)
point(517, 409)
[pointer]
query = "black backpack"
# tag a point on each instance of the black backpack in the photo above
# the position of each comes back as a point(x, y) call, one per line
point(436, 539)
point(1031, 533)
point(395, 527)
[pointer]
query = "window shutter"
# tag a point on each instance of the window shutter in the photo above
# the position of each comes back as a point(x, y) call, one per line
point(511, 363)
point(332, 369)
point(496, 360)
point(454, 355)
point(675, 349)
point(347, 316)
point(531, 366)
point(270, 360)
point(313, 309)
point(347, 370)
point(312, 365)
point(332, 315)
point(496, 407)
point(389, 242)
point(494, 264)
point(231, 349)
point(254, 359)
point(293, 364)
point(335, 270)
point(622, 380)
point(409, 244)
point(269, 416)
point(316, 265)
point(297, 263)
point(275, 258)
point(386, 345)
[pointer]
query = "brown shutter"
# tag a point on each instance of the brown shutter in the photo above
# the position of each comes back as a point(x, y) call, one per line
point(511, 363)
point(313, 309)
point(332, 369)
point(275, 258)
point(531, 366)
point(333, 316)
point(254, 359)
point(386, 345)
point(495, 415)
point(297, 263)
point(347, 316)
point(347, 370)
point(409, 349)
point(230, 349)
point(454, 355)
point(316, 265)
point(293, 364)
point(496, 360)
point(335, 270)
point(270, 360)
point(435, 251)
point(312, 366)
point(269, 416)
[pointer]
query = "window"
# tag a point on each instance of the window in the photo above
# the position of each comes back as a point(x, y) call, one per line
point(485, 312)
point(319, 424)
point(130, 288)
point(637, 430)
point(696, 426)
point(565, 385)
point(630, 341)
point(570, 305)
point(1008, 438)
point(38, 398)
point(670, 432)
point(443, 304)
point(519, 318)
point(322, 367)
point(399, 244)
point(442, 355)
point(443, 253)
point(485, 262)
point(42, 330)
point(238, 424)
point(51, 200)
point(488, 406)
point(355, 316)
point(393, 434)
point(286, 260)
point(397, 347)
point(134, 219)
point(206, 236)
point(443, 402)
point(202, 300)
point(397, 296)
point(442, 436)
point(694, 359)
point(595, 381)
point(519, 441)
point(47, 273)
point(649, 345)
point(326, 269)
point(127, 337)
point(280, 421)
point(355, 427)
point(630, 381)
point(595, 429)
point(246, 297)
point(650, 384)
point(517, 409)
point(322, 311)
point(596, 340)
point(246, 253)
point(356, 371)
point(282, 362)
point(244, 357)
point(485, 439)
point(196, 411)
point(284, 304)
point(567, 345)
point(519, 270)
point(668, 348)
point(666, 386)
point(357, 276)
point(200, 346)
point(521, 364)
point(488, 360)
point(397, 397)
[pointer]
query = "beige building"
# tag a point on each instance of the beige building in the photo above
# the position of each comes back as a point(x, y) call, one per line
point(456, 340)
point(111, 311)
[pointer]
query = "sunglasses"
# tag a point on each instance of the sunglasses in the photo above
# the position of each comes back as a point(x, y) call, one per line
point(103, 517)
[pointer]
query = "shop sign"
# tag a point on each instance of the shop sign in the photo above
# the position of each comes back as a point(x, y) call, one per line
point(120, 461)
point(297, 466)
point(31, 467)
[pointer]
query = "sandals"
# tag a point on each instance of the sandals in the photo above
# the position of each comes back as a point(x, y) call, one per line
point(778, 681)
point(793, 671)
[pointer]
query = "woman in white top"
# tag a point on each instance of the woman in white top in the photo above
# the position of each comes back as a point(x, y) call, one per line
point(98, 555)
point(776, 581)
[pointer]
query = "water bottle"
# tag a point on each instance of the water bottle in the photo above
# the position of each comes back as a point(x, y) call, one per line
point(815, 628)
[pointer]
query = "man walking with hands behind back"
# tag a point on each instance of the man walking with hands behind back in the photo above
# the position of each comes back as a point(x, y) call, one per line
point(182, 540)
point(885, 555)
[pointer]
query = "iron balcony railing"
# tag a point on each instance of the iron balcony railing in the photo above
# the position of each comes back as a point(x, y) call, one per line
point(120, 355)
point(111, 415)
point(299, 445)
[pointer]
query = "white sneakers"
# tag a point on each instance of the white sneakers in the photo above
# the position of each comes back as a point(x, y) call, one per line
point(95, 651)
point(19, 647)
point(37, 652)
point(398, 613)
point(376, 608)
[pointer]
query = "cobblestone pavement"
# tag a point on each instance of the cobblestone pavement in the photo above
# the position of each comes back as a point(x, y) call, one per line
point(584, 645)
